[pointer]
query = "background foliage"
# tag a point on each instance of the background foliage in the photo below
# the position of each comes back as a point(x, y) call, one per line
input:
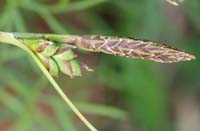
point(122, 94)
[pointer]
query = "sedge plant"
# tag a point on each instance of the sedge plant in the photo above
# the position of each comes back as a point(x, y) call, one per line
point(55, 53)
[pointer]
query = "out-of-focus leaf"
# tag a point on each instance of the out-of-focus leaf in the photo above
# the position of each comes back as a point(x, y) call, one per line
point(20, 23)
point(44, 121)
point(192, 7)
point(102, 110)
point(10, 101)
point(31, 97)
point(64, 116)
point(77, 6)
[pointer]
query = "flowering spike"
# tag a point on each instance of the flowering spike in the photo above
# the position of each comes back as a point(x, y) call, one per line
point(132, 48)
point(64, 57)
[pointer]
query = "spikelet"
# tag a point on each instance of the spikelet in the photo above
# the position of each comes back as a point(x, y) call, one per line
point(55, 57)
point(57, 51)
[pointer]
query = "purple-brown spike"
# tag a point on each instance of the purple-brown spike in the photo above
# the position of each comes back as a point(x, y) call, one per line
point(131, 48)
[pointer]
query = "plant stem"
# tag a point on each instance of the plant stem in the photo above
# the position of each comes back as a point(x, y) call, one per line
point(62, 94)
point(8, 38)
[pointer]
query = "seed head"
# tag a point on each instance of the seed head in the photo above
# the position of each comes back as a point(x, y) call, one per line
point(132, 48)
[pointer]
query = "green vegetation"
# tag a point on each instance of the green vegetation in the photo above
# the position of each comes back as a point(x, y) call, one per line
point(138, 85)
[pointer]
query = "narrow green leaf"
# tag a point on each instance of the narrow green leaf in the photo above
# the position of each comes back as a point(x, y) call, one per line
point(64, 116)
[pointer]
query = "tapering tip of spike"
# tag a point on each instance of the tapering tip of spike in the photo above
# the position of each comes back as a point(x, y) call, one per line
point(133, 48)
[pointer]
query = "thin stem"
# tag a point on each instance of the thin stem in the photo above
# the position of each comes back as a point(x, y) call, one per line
point(62, 94)
point(8, 38)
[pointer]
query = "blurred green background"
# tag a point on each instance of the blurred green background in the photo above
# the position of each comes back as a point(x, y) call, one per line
point(122, 94)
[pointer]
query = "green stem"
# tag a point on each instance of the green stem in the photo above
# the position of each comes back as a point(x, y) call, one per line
point(62, 94)
point(8, 38)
